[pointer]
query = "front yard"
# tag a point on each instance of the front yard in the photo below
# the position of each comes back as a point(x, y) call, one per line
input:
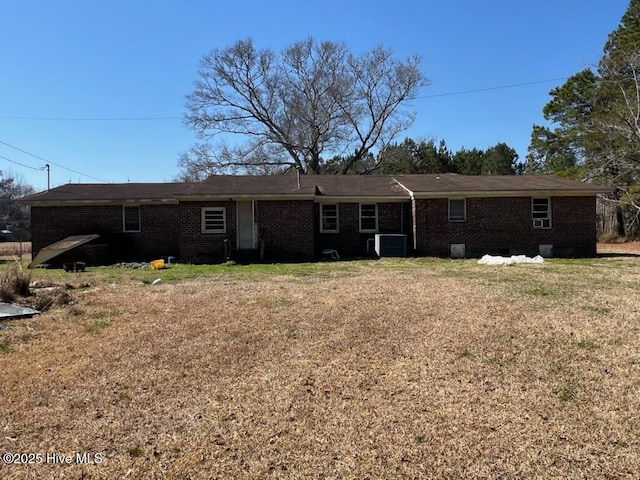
point(412, 368)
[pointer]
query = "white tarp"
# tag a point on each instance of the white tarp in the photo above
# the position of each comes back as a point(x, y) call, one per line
point(512, 260)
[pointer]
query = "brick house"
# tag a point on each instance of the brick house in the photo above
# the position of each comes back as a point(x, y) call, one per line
point(281, 218)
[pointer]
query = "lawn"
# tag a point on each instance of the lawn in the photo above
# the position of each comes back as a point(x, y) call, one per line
point(410, 368)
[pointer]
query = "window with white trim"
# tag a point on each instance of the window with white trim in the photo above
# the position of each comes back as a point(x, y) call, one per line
point(131, 218)
point(541, 212)
point(214, 220)
point(368, 217)
point(457, 209)
point(328, 218)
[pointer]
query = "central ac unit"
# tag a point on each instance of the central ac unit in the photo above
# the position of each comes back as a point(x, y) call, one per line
point(391, 245)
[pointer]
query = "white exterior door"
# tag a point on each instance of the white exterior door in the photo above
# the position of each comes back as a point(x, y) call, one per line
point(246, 226)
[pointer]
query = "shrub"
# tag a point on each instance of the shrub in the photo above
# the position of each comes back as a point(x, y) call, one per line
point(14, 283)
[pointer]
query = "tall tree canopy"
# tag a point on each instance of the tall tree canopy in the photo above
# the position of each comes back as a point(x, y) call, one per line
point(297, 108)
point(594, 117)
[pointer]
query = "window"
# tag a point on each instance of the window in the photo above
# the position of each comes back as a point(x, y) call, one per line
point(131, 218)
point(457, 209)
point(368, 217)
point(541, 212)
point(214, 220)
point(328, 217)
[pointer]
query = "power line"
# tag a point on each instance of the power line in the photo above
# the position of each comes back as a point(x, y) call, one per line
point(501, 87)
point(90, 119)
point(53, 163)
point(22, 164)
point(150, 118)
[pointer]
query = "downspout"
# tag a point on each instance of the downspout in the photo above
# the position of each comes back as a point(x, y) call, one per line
point(413, 214)
point(414, 218)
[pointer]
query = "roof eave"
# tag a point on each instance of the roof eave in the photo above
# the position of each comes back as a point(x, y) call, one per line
point(361, 198)
point(98, 202)
point(245, 197)
point(510, 193)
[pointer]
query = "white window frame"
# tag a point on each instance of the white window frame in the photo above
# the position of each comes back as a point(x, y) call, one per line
point(323, 215)
point(464, 210)
point(124, 219)
point(375, 217)
point(541, 217)
point(203, 214)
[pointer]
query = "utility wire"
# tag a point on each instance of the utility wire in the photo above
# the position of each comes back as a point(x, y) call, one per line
point(501, 87)
point(133, 119)
point(52, 163)
point(90, 119)
point(22, 164)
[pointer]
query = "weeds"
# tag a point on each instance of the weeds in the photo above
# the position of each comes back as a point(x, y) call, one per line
point(14, 283)
point(135, 452)
point(568, 391)
point(291, 333)
point(96, 326)
point(589, 345)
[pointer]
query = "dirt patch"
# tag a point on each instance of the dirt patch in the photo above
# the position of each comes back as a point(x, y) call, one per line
point(441, 369)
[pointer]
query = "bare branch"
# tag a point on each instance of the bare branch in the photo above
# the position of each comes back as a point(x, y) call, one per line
point(312, 100)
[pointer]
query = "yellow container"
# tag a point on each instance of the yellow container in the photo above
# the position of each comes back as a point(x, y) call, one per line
point(157, 264)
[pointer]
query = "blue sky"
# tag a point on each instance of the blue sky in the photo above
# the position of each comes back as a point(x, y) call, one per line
point(121, 59)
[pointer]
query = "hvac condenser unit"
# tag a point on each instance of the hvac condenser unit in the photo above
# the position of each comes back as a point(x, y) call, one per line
point(391, 245)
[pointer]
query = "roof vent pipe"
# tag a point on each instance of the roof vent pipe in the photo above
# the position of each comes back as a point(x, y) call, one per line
point(298, 176)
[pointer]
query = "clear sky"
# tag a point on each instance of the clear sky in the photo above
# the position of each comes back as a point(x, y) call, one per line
point(98, 87)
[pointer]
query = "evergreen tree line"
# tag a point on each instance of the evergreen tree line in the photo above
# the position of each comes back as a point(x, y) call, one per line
point(593, 130)
point(427, 156)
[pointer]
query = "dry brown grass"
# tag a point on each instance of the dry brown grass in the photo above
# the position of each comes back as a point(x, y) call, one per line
point(395, 370)
point(11, 250)
point(14, 283)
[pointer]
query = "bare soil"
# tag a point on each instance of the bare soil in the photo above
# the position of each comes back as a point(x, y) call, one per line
point(393, 369)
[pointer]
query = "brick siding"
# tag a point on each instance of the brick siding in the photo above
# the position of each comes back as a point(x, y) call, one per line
point(291, 229)
point(349, 242)
point(504, 226)
point(158, 235)
point(198, 247)
point(287, 228)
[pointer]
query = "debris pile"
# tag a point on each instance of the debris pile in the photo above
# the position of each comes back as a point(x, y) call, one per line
point(131, 265)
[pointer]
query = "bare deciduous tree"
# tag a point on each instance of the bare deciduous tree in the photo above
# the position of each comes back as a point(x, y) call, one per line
point(297, 108)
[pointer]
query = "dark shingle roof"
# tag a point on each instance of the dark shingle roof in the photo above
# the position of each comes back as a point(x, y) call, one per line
point(449, 182)
point(358, 186)
point(353, 186)
point(228, 185)
point(91, 192)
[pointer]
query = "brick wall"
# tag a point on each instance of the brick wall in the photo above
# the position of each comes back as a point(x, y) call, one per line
point(287, 228)
point(158, 236)
point(349, 242)
point(504, 226)
point(291, 229)
point(198, 247)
